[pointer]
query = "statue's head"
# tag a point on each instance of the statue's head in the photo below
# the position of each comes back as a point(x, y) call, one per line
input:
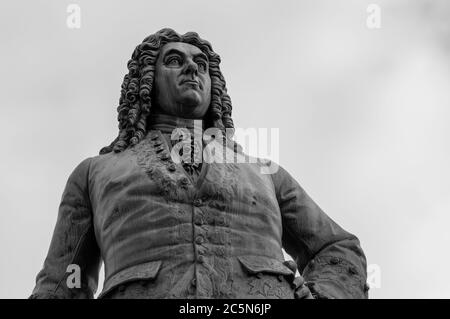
point(182, 81)
point(173, 74)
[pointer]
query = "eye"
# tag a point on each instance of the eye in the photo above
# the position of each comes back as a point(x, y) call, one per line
point(174, 61)
point(202, 66)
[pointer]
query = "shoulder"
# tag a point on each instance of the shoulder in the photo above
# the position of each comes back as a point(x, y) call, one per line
point(81, 169)
point(108, 159)
point(84, 166)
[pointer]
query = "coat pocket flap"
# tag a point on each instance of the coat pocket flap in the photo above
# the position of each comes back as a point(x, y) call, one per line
point(259, 264)
point(147, 270)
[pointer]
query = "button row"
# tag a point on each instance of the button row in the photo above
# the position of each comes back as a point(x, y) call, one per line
point(200, 220)
point(163, 155)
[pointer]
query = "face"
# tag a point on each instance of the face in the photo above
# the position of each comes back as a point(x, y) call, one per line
point(182, 81)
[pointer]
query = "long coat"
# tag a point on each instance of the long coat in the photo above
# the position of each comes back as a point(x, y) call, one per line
point(162, 234)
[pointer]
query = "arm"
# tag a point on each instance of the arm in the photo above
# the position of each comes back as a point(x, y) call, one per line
point(73, 242)
point(329, 258)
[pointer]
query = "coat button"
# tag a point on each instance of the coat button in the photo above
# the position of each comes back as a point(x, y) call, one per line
point(199, 240)
point(352, 271)
point(334, 260)
point(194, 282)
point(171, 167)
point(198, 202)
point(221, 221)
point(280, 278)
point(184, 182)
point(201, 259)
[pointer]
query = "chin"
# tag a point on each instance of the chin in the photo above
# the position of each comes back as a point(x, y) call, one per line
point(191, 99)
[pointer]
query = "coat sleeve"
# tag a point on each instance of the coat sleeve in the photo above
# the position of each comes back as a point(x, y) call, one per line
point(329, 258)
point(73, 249)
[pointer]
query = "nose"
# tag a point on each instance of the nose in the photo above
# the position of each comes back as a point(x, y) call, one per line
point(191, 68)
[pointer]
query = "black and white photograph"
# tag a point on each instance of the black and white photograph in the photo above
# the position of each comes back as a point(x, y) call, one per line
point(255, 149)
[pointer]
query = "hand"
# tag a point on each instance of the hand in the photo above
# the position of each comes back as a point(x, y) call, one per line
point(301, 290)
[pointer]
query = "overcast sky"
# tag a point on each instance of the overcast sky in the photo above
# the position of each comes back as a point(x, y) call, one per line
point(363, 115)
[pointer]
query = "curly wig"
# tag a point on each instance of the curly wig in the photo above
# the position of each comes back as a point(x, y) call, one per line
point(135, 101)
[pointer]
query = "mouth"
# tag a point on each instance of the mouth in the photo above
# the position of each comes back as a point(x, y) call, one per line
point(191, 82)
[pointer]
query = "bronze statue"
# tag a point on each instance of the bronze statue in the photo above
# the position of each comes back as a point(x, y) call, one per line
point(191, 228)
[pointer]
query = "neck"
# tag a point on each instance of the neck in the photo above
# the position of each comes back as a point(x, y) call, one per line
point(167, 123)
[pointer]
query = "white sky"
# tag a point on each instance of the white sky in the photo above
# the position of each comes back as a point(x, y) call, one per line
point(363, 115)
